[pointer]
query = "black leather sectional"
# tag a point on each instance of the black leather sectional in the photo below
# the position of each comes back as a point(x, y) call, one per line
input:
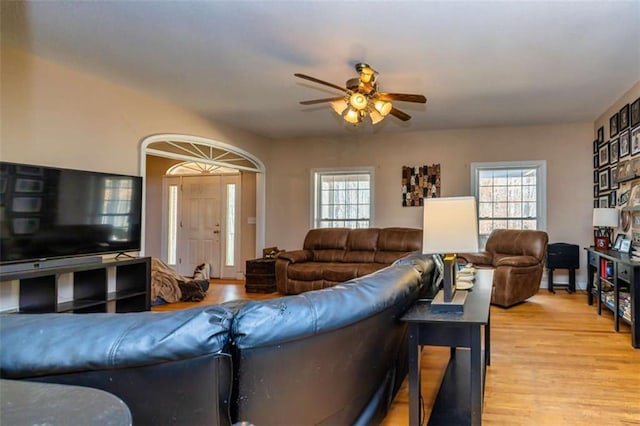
point(332, 356)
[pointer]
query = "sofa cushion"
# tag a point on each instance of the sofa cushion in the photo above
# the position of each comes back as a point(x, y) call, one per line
point(108, 341)
point(361, 245)
point(323, 238)
point(339, 272)
point(306, 271)
point(369, 268)
point(269, 322)
point(517, 243)
point(394, 243)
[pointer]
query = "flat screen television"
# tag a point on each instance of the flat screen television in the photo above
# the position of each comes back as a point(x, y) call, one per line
point(52, 213)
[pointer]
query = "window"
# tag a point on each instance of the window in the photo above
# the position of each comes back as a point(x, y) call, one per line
point(231, 225)
point(172, 234)
point(511, 195)
point(342, 198)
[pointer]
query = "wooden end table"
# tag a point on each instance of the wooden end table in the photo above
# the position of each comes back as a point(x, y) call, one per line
point(260, 276)
point(461, 393)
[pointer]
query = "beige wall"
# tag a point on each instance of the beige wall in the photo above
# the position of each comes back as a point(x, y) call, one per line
point(566, 148)
point(54, 115)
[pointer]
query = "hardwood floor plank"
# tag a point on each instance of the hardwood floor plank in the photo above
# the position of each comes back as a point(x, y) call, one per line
point(554, 361)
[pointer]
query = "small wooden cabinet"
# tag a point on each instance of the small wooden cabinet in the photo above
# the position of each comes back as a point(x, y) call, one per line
point(107, 286)
point(261, 276)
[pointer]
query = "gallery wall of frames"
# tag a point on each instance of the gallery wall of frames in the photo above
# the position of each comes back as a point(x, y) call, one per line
point(616, 168)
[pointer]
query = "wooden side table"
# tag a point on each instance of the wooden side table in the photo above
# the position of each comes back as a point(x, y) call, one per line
point(260, 276)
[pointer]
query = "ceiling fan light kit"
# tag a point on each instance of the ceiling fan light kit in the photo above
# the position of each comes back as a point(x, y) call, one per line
point(362, 98)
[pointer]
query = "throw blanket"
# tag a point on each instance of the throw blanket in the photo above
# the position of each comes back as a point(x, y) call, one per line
point(171, 286)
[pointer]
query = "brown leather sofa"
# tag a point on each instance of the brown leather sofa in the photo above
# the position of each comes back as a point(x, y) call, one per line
point(518, 258)
point(334, 255)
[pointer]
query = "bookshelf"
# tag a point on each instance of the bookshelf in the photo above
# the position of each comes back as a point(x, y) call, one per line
point(107, 286)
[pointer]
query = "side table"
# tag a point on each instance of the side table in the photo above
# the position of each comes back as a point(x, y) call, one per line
point(465, 375)
point(563, 256)
point(260, 276)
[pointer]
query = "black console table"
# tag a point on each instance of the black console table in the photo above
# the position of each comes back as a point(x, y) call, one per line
point(461, 392)
point(614, 280)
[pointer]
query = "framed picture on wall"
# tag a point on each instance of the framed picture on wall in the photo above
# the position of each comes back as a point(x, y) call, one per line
point(624, 171)
point(603, 155)
point(603, 183)
point(612, 199)
point(596, 191)
point(623, 147)
point(635, 113)
point(635, 137)
point(595, 146)
point(614, 151)
point(624, 138)
point(613, 125)
point(603, 202)
point(600, 134)
point(623, 117)
point(613, 178)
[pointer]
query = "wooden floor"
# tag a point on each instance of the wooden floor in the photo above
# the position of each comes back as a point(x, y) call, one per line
point(554, 361)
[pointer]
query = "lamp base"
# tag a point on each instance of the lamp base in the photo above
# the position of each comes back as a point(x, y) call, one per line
point(456, 305)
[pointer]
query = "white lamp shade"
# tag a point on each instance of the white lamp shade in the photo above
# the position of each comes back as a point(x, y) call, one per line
point(605, 218)
point(450, 225)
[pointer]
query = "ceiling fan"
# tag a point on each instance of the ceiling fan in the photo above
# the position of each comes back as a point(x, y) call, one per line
point(361, 98)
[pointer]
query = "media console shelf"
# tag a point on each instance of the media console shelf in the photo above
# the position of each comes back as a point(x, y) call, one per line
point(107, 286)
point(614, 280)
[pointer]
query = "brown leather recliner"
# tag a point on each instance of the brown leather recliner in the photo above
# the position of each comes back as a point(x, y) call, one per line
point(518, 258)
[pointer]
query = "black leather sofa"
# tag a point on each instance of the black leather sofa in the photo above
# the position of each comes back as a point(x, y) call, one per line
point(333, 356)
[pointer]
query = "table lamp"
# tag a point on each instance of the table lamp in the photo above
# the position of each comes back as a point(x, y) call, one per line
point(450, 226)
point(605, 219)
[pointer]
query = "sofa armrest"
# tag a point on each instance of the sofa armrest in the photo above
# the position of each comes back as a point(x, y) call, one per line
point(481, 258)
point(297, 256)
point(518, 261)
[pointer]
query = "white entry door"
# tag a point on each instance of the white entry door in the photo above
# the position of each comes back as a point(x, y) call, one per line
point(201, 224)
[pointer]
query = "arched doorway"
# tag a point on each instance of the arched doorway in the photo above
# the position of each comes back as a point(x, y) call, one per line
point(200, 153)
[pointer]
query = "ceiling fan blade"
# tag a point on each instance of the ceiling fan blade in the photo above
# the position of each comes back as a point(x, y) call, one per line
point(315, 80)
point(402, 97)
point(319, 101)
point(399, 114)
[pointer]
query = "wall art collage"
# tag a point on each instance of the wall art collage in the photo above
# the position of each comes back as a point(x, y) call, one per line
point(616, 168)
point(418, 183)
point(616, 160)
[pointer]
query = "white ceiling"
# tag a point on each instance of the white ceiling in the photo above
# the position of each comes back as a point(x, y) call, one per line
point(479, 63)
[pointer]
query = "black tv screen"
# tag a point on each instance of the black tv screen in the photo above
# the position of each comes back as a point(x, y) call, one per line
point(49, 212)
